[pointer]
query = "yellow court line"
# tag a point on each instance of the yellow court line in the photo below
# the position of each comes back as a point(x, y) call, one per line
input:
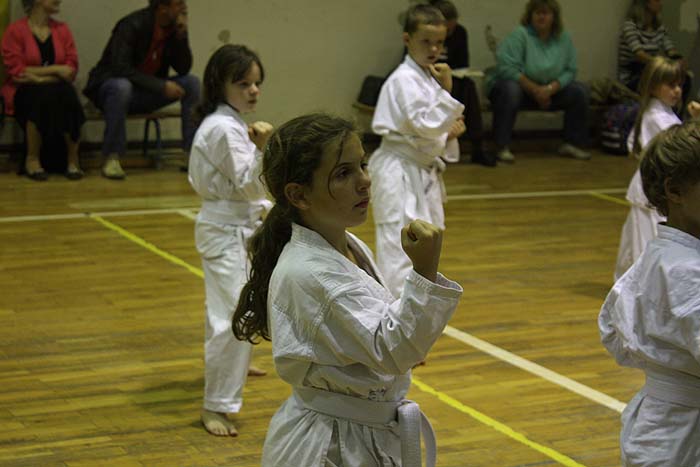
point(496, 425)
point(149, 246)
point(612, 199)
point(480, 417)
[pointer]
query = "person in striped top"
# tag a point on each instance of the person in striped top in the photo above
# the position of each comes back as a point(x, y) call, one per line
point(643, 36)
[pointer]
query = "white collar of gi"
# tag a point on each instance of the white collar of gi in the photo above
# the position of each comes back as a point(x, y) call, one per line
point(310, 237)
point(656, 104)
point(412, 63)
point(229, 111)
point(678, 236)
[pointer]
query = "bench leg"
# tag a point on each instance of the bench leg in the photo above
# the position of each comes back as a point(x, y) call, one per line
point(159, 145)
point(146, 128)
point(158, 157)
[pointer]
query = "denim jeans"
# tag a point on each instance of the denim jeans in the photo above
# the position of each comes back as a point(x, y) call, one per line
point(118, 97)
point(507, 97)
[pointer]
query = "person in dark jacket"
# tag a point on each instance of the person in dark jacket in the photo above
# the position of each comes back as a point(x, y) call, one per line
point(456, 55)
point(133, 75)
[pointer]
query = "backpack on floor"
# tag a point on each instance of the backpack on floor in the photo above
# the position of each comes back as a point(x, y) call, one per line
point(617, 123)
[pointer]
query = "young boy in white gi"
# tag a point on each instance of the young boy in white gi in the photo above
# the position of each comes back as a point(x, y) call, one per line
point(419, 122)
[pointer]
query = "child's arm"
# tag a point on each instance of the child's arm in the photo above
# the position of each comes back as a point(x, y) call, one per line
point(407, 102)
point(230, 152)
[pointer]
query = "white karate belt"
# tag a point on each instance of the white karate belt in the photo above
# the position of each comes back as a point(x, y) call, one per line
point(411, 421)
point(683, 391)
point(223, 211)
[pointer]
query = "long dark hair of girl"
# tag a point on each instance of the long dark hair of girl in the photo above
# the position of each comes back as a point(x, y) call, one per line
point(292, 155)
point(230, 63)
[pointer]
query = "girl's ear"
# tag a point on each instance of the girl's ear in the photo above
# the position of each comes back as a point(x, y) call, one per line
point(296, 195)
point(673, 194)
point(406, 38)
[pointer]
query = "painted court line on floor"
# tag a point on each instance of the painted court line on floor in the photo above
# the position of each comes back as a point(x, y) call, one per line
point(191, 209)
point(535, 194)
point(80, 215)
point(612, 199)
point(496, 425)
point(537, 370)
point(480, 417)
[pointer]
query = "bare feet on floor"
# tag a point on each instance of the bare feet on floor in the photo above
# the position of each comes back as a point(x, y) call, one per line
point(218, 423)
point(255, 371)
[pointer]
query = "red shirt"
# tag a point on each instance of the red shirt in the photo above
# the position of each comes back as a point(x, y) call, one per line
point(154, 58)
point(19, 50)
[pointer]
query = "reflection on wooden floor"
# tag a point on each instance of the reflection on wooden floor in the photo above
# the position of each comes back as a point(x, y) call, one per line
point(101, 338)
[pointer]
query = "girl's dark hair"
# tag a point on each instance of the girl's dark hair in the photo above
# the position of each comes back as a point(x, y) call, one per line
point(230, 63)
point(659, 70)
point(422, 14)
point(638, 12)
point(533, 5)
point(292, 155)
point(447, 8)
point(154, 4)
point(672, 157)
point(28, 5)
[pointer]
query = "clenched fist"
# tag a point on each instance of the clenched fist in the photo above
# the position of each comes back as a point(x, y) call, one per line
point(422, 242)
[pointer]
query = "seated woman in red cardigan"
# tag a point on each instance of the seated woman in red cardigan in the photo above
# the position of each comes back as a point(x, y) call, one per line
point(41, 63)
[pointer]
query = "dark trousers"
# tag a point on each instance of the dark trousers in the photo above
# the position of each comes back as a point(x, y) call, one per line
point(508, 97)
point(118, 97)
point(464, 90)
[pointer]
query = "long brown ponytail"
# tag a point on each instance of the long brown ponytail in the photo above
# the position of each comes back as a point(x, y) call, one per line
point(292, 155)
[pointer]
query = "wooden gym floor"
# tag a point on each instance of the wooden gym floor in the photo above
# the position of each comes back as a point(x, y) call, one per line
point(101, 322)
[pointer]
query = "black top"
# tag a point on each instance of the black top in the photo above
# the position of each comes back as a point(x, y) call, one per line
point(127, 49)
point(456, 53)
point(48, 55)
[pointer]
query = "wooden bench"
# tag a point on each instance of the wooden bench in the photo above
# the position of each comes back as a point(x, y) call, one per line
point(92, 113)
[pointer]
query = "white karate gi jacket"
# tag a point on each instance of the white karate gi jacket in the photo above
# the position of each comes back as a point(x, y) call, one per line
point(413, 116)
point(641, 222)
point(335, 328)
point(224, 169)
point(651, 320)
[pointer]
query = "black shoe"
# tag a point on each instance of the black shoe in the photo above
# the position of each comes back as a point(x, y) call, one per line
point(39, 175)
point(485, 159)
point(73, 174)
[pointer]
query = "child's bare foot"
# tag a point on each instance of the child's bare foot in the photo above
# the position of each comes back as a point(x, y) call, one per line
point(255, 371)
point(218, 424)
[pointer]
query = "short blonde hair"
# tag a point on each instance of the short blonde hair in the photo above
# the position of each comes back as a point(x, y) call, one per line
point(532, 5)
point(672, 157)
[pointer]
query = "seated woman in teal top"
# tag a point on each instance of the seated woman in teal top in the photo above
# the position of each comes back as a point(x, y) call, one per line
point(536, 70)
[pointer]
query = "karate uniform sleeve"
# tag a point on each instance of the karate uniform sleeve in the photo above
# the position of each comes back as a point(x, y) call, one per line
point(611, 336)
point(389, 338)
point(426, 118)
point(232, 156)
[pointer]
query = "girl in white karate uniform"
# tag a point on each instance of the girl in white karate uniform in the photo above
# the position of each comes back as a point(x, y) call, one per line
point(651, 318)
point(224, 168)
point(660, 89)
point(339, 337)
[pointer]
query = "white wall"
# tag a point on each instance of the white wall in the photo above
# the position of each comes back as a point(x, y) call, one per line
point(316, 52)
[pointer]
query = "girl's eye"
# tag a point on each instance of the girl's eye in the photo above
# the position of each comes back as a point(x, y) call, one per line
point(341, 173)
